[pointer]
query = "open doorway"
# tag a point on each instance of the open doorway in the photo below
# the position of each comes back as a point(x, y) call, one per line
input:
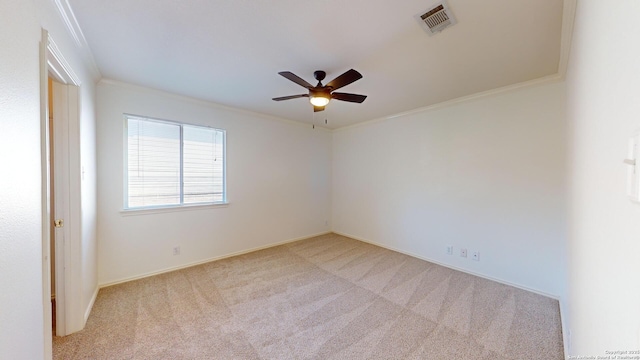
point(61, 214)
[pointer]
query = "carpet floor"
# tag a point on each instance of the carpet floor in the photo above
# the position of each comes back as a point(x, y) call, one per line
point(327, 297)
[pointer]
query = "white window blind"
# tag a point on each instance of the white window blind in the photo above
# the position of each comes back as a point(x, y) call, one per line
point(203, 165)
point(171, 164)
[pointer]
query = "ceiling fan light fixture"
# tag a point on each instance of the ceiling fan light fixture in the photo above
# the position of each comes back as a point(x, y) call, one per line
point(319, 100)
point(319, 97)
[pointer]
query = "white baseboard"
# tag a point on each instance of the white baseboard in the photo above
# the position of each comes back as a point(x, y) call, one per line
point(200, 262)
point(87, 312)
point(566, 338)
point(498, 280)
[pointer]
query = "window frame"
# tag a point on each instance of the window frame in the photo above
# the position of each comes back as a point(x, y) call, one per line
point(171, 207)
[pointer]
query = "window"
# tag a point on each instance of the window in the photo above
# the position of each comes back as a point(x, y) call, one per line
point(173, 164)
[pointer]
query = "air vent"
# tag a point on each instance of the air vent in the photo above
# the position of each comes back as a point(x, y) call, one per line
point(436, 19)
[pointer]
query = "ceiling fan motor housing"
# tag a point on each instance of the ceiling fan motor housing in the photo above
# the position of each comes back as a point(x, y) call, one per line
point(319, 75)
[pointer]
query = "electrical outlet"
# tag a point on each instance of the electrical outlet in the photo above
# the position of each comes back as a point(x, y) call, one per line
point(176, 250)
point(475, 255)
point(463, 253)
point(449, 250)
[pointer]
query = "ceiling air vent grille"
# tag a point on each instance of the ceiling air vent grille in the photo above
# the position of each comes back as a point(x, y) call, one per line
point(436, 19)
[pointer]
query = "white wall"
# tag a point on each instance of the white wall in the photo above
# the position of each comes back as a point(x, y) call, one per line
point(487, 175)
point(278, 179)
point(21, 333)
point(88, 197)
point(603, 107)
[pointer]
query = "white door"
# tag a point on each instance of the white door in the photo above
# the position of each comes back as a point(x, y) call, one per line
point(60, 192)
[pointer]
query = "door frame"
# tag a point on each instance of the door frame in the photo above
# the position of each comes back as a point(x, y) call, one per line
point(68, 280)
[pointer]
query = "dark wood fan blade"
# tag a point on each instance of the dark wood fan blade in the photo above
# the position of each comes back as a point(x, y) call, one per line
point(348, 97)
point(318, 108)
point(296, 79)
point(344, 79)
point(290, 97)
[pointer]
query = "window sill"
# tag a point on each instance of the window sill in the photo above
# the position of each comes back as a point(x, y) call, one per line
point(169, 209)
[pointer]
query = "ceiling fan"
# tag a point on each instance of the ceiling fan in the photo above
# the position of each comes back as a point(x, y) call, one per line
point(320, 95)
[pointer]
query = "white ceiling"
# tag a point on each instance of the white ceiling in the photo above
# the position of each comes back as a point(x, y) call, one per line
point(230, 52)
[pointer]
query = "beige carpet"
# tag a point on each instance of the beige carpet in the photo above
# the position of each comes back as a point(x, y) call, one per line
point(328, 297)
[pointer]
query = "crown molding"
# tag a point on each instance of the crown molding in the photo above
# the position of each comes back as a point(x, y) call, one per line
point(568, 19)
point(206, 103)
point(505, 89)
point(71, 23)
